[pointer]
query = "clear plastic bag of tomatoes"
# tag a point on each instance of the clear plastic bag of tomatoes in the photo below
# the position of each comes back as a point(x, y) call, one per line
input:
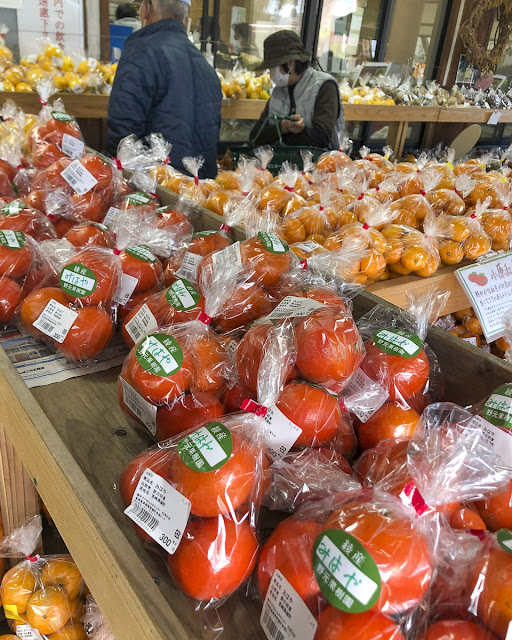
point(351, 564)
point(20, 260)
point(42, 596)
point(197, 496)
point(55, 135)
point(18, 216)
point(72, 307)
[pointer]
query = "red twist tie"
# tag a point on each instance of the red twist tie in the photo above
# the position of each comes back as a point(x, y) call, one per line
point(423, 193)
point(455, 189)
point(20, 166)
point(473, 215)
point(411, 495)
point(8, 119)
point(154, 196)
point(224, 227)
point(117, 163)
point(361, 196)
point(117, 252)
point(369, 159)
point(51, 217)
point(290, 189)
point(505, 208)
point(342, 405)
point(478, 533)
point(339, 190)
point(43, 102)
point(196, 180)
point(253, 407)
point(261, 168)
point(167, 160)
point(2, 35)
point(418, 170)
point(31, 558)
point(321, 208)
point(245, 193)
point(204, 318)
point(366, 226)
point(377, 188)
point(304, 265)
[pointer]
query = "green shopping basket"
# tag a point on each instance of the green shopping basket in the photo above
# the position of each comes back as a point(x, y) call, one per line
point(282, 151)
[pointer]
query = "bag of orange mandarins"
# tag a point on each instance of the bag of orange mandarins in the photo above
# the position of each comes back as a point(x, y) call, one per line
point(42, 596)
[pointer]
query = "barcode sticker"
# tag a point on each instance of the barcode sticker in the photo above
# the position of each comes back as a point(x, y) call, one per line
point(308, 245)
point(189, 266)
point(77, 176)
point(285, 616)
point(293, 307)
point(280, 433)
point(499, 439)
point(160, 510)
point(56, 320)
point(112, 214)
point(142, 323)
point(25, 632)
point(125, 288)
point(227, 255)
point(144, 410)
point(72, 147)
point(363, 396)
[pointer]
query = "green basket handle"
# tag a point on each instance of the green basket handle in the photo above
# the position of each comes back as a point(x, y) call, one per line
point(276, 119)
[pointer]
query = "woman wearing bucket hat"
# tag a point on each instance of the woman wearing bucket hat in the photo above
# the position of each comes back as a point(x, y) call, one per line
point(309, 96)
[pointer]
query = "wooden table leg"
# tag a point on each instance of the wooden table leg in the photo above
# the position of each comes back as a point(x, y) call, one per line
point(397, 135)
point(18, 496)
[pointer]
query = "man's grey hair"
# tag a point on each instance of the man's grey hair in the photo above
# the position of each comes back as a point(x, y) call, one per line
point(175, 9)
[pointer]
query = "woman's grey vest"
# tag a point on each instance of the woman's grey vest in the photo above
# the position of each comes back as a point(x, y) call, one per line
point(305, 94)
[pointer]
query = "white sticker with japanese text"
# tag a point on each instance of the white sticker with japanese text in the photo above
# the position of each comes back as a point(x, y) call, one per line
point(280, 433)
point(144, 410)
point(72, 147)
point(142, 323)
point(294, 307)
point(189, 266)
point(498, 438)
point(77, 176)
point(125, 289)
point(363, 396)
point(56, 320)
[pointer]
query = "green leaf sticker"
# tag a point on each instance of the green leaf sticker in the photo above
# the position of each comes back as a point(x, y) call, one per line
point(60, 116)
point(11, 208)
point(204, 234)
point(273, 243)
point(398, 342)
point(100, 225)
point(77, 280)
point(12, 239)
point(497, 408)
point(160, 354)
point(138, 198)
point(182, 295)
point(163, 209)
point(208, 448)
point(345, 571)
point(504, 537)
point(142, 252)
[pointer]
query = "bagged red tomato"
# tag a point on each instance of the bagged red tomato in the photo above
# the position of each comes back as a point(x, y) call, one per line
point(71, 310)
point(197, 496)
point(18, 216)
point(19, 256)
point(55, 135)
point(90, 233)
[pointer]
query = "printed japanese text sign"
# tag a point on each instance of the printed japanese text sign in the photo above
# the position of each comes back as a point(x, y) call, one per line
point(488, 285)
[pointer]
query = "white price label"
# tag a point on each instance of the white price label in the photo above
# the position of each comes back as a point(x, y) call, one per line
point(144, 410)
point(500, 440)
point(293, 307)
point(471, 340)
point(308, 245)
point(112, 214)
point(189, 266)
point(142, 323)
point(285, 616)
point(160, 510)
point(280, 433)
point(363, 396)
point(77, 176)
point(227, 255)
point(56, 320)
point(25, 632)
point(125, 289)
point(494, 118)
point(72, 147)
point(488, 285)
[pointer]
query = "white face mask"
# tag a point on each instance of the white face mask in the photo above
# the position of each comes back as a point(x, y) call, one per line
point(279, 78)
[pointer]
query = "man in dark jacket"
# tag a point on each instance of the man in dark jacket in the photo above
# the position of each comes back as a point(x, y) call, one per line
point(164, 85)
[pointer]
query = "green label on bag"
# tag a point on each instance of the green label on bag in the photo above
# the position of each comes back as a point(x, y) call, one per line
point(142, 252)
point(138, 198)
point(182, 295)
point(12, 239)
point(100, 225)
point(498, 407)
point(60, 116)
point(345, 571)
point(160, 354)
point(273, 243)
point(208, 448)
point(504, 537)
point(163, 209)
point(201, 234)
point(11, 208)
point(398, 342)
point(77, 280)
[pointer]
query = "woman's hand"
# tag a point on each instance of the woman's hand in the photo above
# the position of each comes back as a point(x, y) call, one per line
point(296, 125)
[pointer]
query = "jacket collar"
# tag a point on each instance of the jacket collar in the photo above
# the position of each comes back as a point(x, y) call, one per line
point(167, 24)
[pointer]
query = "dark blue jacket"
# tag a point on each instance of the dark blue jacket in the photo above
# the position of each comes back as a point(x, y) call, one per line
point(164, 85)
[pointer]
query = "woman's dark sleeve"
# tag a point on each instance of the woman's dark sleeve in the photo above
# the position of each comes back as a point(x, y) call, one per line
point(325, 116)
point(269, 133)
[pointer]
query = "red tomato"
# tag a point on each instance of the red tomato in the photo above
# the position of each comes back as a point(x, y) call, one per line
point(105, 272)
point(62, 226)
point(334, 624)
point(52, 176)
point(173, 220)
point(189, 411)
point(456, 630)
point(147, 269)
point(88, 233)
point(8, 169)
point(10, 298)
point(46, 153)
point(15, 262)
point(90, 206)
point(100, 169)
point(89, 335)
point(36, 200)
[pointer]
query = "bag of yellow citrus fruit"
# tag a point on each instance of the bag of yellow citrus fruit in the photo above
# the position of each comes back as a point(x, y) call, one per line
point(42, 596)
point(497, 222)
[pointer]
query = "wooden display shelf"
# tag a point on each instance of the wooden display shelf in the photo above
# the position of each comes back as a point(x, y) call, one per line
point(79, 105)
point(74, 442)
point(473, 115)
